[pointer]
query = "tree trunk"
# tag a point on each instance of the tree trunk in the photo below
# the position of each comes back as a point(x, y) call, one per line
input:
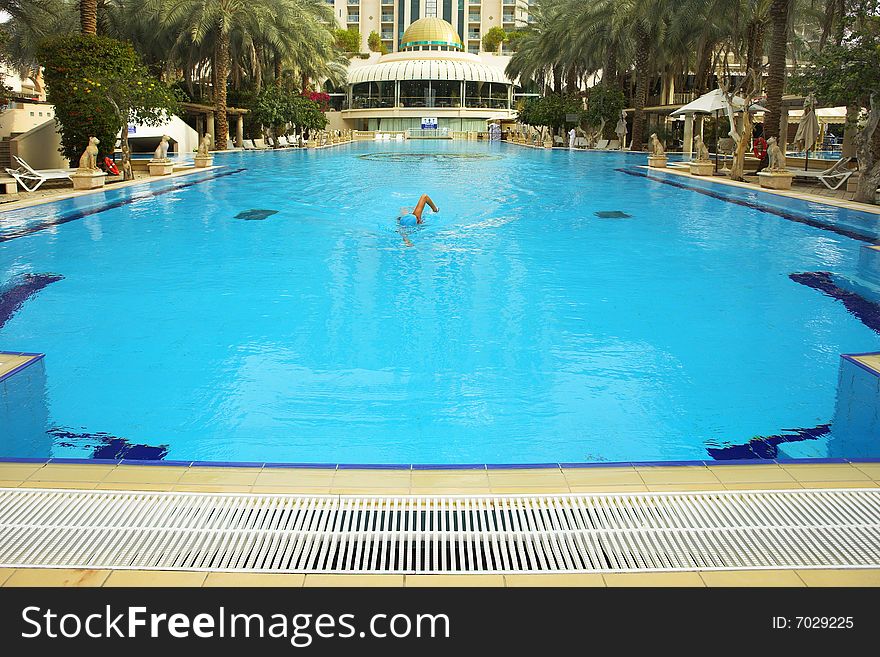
point(641, 95)
point(779, 10)
point(126, 154)
point(222, 70)
point(736, 169)
point(88, 16)
point(868, 144)
point(258, 69)
point(277, 63)
point(828, 22)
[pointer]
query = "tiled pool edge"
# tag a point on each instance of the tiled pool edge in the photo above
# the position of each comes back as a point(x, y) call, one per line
point(67, 194)
point(422, 467)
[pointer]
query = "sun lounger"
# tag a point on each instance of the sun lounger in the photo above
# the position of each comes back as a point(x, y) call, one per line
point(602, 144)
point(558, 141)
point(282, 141)
point(248, 144)
point(229, 145)
point(580, 142)
point(31, 178)
point(260, 144)
point(832, 177)
point(614, 145)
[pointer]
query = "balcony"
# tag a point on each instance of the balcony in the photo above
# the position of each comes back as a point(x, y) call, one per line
point(474, 36)
point(387, 18)
point(474, 18)
point(354, 18)
point(354, 2)
point(508, 18)
point(387, 36)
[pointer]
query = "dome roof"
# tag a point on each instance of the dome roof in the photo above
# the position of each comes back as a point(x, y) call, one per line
point(428, 69)
point(431, 32)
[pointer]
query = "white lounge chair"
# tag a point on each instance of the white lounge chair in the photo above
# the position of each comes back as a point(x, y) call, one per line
point(832, 177)
point(613, 145)
point(558, 141)
point(398, 137)
point(282, 141)
point(602, 144)
point(580, 142)
point(260, 144)
point(31, 179)
point(248, 144)
point(229, 145)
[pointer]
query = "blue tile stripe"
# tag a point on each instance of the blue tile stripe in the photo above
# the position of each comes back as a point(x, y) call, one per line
point(173, 186)
point(755, 205)
point(444, 466)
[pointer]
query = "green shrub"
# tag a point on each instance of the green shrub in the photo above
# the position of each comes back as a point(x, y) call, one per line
point(348, 40)
point(98, 85)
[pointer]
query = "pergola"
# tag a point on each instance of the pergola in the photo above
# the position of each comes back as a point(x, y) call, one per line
point(205, 120)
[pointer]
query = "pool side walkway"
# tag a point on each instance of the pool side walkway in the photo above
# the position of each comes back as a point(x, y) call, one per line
point(345, 481)
point(52, 194)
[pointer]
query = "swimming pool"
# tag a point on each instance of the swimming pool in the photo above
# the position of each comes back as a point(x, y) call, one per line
point(521, 327)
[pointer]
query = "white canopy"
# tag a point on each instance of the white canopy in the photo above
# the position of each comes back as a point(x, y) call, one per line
point(427, 69)
point(714, 101)
point(824, 114)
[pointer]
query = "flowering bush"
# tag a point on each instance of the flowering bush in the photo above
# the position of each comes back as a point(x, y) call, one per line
point(98, 85)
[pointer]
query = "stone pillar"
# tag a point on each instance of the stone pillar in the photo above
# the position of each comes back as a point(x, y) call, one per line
point(688, 146)
point(209, 129)
point(239, 131)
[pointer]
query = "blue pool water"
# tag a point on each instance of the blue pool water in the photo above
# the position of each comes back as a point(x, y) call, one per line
point(518, 327)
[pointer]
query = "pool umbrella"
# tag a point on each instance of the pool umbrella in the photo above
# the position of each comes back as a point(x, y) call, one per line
point(808, 129)
point(713, 103)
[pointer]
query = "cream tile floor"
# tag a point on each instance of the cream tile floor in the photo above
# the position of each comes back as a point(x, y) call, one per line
point(435, 482)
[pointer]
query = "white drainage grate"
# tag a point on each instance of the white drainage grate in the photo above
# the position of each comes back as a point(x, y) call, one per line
point(466, 534)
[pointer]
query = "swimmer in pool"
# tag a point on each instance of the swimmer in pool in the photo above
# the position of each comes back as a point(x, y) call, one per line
point(412, 217)
point(409, 218)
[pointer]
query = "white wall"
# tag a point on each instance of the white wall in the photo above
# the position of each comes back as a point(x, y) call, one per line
point(21, 117)
point(39, 147)
point(184, 138)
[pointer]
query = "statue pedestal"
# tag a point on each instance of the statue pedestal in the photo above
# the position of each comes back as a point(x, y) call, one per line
point(775, 179)
point(88, 178)
point(657, 161)
point(202, 161)
point(160, 167)
point(701, 168)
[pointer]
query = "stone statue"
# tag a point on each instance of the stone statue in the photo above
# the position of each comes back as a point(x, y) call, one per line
point(775, 156)
point(88, 161)
point(127, 173)
point(620, 129)
point(205, 145)
point(701, 151)
point(656, 146)
point(161, 153)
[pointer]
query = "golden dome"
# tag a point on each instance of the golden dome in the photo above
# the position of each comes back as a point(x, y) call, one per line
point(431, 31)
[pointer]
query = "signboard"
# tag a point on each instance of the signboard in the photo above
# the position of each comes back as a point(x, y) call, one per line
point(429, 123)
point(132, 129)
point(571, 118)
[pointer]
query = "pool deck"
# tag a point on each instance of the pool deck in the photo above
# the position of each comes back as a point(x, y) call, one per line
point(51, 194)
point(373, 481)
point(802, 193)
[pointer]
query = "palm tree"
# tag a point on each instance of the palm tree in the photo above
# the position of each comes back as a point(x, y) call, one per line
point(216, 24)
point(30, 21)
point(779, 23)
point(88, 16)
